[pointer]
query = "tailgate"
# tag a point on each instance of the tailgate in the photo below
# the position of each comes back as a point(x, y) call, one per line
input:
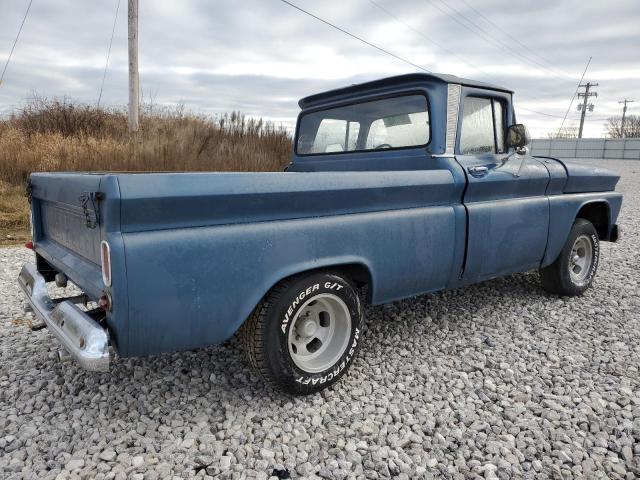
point(68, 225)
point(66, 204)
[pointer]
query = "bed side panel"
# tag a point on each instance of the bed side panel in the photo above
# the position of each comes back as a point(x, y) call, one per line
point(194, 287)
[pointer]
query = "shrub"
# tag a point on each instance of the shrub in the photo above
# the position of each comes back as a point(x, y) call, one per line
point(60, 135)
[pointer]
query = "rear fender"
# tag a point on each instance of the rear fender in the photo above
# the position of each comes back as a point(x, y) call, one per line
point(353, 267)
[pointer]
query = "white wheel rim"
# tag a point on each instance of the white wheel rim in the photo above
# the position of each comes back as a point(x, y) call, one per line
point(580, 259)
point(319, 333)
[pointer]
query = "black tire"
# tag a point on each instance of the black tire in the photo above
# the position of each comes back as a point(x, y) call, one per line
point(269, 348)
point(557, 277)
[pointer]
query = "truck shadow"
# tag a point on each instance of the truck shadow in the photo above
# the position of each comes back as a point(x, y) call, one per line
point(217, 371)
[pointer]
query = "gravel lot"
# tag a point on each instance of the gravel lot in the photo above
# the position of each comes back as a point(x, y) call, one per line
point(495, 380)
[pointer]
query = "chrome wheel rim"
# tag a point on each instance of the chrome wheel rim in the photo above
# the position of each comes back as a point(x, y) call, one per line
point(580, 259)
point(319, 333)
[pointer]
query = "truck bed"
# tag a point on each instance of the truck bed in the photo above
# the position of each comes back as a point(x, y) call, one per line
point(180, 242)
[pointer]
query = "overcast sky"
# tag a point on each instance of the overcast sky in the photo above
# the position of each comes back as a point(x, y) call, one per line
point(261, 56)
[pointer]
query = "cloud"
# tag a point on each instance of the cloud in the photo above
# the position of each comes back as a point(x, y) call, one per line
point(260, 56)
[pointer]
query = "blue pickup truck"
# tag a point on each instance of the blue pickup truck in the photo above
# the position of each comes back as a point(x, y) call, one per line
point(405, 185)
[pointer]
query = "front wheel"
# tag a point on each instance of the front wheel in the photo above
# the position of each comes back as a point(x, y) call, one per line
point(305, 333)
point(573, 271)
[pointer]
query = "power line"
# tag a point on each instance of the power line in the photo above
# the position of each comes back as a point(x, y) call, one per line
point(574, 95)
point(395, 17)
point(497, 27)
point(488, 37)
point(539, 113)
point(505, 46)
point(366, 42)
point(106, 65)
point(15, 42)
point(360, 39)
point(418, 32)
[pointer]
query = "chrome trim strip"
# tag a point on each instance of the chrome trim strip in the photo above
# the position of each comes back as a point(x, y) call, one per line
point(79, 334)
point(453, 107)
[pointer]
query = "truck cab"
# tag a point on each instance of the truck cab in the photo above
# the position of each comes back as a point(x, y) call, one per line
point(441, 122)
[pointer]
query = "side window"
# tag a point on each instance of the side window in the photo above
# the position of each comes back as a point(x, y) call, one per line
point(476, 136)
point(498, 115)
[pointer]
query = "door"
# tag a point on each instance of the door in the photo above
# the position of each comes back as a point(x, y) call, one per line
point(508, 211)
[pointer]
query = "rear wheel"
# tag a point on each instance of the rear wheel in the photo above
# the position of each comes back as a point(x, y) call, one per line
point(305, 333)
point(573, 271)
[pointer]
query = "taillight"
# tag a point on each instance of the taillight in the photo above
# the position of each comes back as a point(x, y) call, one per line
point(33, 236)
point(105, 256)
point(105, 302)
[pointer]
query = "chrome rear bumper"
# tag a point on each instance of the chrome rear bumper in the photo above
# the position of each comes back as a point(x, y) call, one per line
point(79, 334)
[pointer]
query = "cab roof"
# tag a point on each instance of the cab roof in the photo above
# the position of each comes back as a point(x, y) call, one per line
point(397, 80)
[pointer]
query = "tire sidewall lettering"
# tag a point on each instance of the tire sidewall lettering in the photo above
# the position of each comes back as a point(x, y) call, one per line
point(596, 258)
point(301, 296)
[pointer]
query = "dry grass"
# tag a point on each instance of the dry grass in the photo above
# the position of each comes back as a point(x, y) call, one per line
point(60, 135)
point(63, 136)
point(14, 214)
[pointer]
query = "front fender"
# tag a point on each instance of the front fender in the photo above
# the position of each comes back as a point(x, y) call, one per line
point(564, 211)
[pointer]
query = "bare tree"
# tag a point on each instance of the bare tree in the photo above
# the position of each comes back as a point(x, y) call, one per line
point(631, 126)
point(566, 132)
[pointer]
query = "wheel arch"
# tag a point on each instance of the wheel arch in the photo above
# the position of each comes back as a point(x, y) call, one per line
point(357, 269)
point(565, 209)
point(598, 212)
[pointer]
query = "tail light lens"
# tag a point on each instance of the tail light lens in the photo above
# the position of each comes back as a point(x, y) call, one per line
point(105, 303)
point(33, 232)
point(105, 256)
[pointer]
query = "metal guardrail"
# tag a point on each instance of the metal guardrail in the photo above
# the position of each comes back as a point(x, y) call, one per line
point(627, 148)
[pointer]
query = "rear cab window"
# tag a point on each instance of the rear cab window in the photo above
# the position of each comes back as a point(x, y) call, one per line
point(390, 123)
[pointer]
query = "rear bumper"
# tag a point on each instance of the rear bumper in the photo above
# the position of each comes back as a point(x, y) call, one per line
point(79, 334)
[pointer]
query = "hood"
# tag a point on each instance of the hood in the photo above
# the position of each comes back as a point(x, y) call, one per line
point(582, 178)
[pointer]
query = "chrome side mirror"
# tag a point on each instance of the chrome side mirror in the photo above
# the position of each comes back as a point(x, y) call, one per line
point(518, 137)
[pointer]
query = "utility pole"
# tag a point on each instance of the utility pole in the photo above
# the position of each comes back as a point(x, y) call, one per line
point(624, 114)
point(583, 106)
point(134, 81)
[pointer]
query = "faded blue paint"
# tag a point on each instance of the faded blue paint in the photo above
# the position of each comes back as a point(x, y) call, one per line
point(193, 253)
point(564, 209)
point(212, 277)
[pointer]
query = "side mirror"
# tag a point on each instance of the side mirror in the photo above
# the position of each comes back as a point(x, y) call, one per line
point(518, 136)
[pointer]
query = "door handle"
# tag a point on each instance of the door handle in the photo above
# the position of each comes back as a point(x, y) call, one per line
point(478, 170)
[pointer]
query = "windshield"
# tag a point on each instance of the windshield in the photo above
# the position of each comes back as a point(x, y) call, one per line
point(380, 124)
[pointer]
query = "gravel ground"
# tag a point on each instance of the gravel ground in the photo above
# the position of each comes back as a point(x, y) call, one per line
point(495, 380)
